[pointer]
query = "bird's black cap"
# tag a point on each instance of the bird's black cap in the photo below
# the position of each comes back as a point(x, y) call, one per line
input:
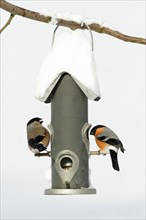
point(93, 130)
point(35, 119)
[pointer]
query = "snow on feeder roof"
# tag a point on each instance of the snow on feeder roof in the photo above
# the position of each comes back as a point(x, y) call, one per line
point(71, 53)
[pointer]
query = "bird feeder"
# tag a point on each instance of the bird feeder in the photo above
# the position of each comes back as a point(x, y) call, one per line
point(67, 80)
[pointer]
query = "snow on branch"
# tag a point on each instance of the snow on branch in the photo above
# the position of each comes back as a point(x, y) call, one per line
point(72, 22)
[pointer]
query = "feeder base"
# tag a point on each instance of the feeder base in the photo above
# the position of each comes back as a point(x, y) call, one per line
point(69, 191)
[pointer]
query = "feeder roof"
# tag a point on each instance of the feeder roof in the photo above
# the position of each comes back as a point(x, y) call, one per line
point(71, 53)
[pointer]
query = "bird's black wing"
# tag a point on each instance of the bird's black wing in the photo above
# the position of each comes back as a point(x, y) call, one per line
point(114, 159)
point(40, 147)
point(115, 142)
point(111, 141)
point(33, 142)
point(39, 138)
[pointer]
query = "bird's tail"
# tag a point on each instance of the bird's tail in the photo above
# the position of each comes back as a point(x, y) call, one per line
point(40, 147)
point(114, 159)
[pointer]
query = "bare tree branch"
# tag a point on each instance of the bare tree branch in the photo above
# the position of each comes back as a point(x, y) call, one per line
point(15, 10)
point(7, 23)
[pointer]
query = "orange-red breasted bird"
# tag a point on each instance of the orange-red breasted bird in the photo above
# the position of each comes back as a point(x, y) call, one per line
point(37, 135)
point(108, 143)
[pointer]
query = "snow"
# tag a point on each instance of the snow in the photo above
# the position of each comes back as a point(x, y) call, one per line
point(62, 15)
point(71, 53)
point(49, 13)
point(80, 19)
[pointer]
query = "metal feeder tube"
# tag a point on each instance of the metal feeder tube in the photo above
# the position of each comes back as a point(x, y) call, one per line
point(69, 154)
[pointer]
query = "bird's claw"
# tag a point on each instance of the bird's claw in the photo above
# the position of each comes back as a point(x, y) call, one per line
point(98, 152)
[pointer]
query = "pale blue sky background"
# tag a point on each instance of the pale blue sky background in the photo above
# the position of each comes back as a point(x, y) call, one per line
point(121, 73)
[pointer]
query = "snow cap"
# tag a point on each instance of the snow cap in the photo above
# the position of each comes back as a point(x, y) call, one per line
point(71, 53)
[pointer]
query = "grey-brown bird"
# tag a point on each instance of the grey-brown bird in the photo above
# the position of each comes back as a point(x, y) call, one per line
point(37, 135)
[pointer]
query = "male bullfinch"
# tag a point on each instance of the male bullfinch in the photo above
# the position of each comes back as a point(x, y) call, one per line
point(38, 136)
point(108, 142)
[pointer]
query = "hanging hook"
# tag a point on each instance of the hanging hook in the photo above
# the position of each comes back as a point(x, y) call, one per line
point(91, 35)
point(54, 34)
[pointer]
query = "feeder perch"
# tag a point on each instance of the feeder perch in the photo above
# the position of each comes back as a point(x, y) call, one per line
point(68, 82)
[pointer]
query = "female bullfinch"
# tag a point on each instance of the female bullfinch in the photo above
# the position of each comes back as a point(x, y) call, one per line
point(38, 136)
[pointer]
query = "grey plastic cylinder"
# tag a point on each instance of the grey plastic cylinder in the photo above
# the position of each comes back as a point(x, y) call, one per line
point(69, 154)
